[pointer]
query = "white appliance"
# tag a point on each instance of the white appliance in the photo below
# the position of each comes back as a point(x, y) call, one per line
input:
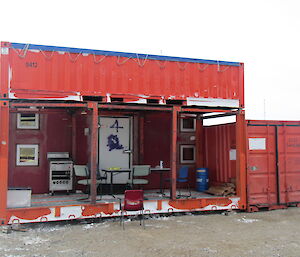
point(60, 172)
point(18, 197)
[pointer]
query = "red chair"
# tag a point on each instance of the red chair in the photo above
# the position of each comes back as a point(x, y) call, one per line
point(133, 201)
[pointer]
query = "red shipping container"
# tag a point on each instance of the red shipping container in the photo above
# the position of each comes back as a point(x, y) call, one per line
point(37, 71)
point(273, 163)
point(34, 72)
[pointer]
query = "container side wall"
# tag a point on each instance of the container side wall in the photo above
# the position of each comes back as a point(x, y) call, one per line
point(157, 141)
point(41, 74)
point(54, 135)
point(83, 122)
point(220, 143)
point(273, 162)
point(190, 139)
point(289, 163)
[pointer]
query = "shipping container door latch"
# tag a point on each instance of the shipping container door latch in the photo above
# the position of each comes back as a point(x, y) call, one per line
point(253, 168)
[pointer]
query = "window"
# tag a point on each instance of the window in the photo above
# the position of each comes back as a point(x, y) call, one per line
point(188, 125)
point(27, 155)
point(27, 121)
point(187, 153)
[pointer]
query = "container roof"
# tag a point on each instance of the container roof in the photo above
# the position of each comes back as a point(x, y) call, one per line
point(119, 54)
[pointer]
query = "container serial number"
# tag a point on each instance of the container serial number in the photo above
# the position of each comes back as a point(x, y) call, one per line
point(31, 64)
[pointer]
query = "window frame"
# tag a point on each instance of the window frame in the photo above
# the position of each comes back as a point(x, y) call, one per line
point(182, 147)
point(182, 129)
point(35, 126)
point(36, 154)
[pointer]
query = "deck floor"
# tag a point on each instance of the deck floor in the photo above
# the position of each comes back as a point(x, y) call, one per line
point(46, 200)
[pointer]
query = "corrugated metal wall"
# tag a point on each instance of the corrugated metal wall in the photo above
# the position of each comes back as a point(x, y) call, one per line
point(53, 74)
point(54, 135)
point(274, 166)
point(219, 140)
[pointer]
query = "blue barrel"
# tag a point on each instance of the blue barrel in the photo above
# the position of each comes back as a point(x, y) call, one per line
point(201, 179)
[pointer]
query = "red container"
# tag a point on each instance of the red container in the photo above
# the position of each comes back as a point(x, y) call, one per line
point(273, 163)
point(30, 72)
point(67, 73)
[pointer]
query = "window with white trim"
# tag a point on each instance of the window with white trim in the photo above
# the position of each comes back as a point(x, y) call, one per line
point(27, 155)
point(27, 121)
point(187, 154)
point(187, 125)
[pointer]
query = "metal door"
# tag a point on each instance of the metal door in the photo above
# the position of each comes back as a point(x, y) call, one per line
point(273, 163)
point(115, 146)
point(261, 166)
point(288, 137)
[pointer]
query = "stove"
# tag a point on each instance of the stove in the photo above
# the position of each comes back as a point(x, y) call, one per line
point(60, 172)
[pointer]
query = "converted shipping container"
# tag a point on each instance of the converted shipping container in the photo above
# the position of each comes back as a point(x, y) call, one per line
point(170, 85)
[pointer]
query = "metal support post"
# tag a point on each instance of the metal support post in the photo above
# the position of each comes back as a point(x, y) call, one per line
point(241, 159)
point(174, 151)
point(94, 150)
point(4, 150)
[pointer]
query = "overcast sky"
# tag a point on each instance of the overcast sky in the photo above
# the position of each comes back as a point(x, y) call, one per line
point(264, 34)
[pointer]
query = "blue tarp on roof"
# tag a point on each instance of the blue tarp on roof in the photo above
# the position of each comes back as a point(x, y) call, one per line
point(119, 54)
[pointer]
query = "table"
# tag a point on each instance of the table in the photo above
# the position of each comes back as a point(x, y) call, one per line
point(161, 171)
point(112, 176)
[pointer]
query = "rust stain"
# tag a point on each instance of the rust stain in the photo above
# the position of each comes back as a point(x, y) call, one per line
point(159, 205)
point(93, 210)
point(57, 211)
point(30, 214)
point(191, 204)
point(219, 202)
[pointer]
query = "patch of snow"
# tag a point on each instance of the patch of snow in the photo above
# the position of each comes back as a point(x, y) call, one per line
point(51, 228)
point(14, 255)
point(94, 225)
point(245, 220)
point(207, 249)
point(89, 226)
point(160, 218)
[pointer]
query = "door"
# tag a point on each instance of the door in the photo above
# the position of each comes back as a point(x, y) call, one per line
point(261, 166)
point(273, 163)
point(289, 162)
point(115, 146)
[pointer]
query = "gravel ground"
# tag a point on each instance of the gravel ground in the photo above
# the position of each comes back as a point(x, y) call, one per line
point(272, 233)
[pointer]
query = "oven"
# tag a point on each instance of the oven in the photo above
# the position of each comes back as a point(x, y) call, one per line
point(60, 172)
